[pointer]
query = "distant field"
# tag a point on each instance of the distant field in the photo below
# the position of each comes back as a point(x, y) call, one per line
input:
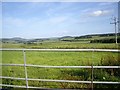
point(55, 58)
point(63, 42)
point(64, 45)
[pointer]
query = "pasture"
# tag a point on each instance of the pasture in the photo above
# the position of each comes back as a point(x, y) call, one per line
point(63, 45)
point(56, 59)
point(61, 59)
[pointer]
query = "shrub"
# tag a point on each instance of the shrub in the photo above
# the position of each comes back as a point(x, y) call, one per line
point(111, 61)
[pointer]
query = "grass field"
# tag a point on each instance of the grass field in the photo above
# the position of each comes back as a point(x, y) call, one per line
point(56, 58)
point(65, 45)
point(61, 59)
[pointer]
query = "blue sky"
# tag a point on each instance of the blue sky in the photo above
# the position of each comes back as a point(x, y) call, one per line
point(55, 19)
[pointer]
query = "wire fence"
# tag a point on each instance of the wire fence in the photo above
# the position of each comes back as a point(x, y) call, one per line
point(54, 80)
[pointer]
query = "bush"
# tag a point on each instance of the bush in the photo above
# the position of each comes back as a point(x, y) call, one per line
point(111, 61)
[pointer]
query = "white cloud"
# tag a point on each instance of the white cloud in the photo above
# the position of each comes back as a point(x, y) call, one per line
point(97, 13)
point(101, 12)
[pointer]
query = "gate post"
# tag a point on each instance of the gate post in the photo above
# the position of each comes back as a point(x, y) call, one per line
point(25, 68)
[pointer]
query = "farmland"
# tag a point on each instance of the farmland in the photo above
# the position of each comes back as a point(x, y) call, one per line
point(102, 41)
point(64, 45)
point(61, 59)
point(55, 58)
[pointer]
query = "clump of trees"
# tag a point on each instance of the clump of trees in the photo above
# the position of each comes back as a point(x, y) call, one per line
point(106, 40)
point(81, 37)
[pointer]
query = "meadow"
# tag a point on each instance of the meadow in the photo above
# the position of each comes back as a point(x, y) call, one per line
point(62, 59)
point(62, 45)
point(57, 59)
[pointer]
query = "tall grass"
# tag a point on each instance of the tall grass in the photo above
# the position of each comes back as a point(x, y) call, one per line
point(57, 58)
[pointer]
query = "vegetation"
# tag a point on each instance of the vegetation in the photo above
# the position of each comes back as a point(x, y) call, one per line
point(106, 40)
point(62, 59)
point(63, 45)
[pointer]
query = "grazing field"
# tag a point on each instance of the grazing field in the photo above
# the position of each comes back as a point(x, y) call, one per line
point(64, 45)
point(57, 59)
point(61, 59)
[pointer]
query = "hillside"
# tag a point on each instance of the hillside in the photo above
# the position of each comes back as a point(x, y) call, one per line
point(87, 38)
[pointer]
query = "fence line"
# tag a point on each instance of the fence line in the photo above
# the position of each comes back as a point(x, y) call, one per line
point(88, 50)
point(43, 66)
point(52, 80)
point(17, 86)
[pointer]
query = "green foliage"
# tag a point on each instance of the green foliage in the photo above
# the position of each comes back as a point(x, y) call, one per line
point(110, 60)
point(61, 59)
point(105, 40)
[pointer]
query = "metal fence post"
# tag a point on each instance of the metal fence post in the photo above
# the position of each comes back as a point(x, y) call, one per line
point(92, 71)
point(24, 54)
point(92, 77)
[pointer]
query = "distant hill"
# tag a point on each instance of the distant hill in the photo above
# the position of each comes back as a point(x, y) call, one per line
point(15, 39)
point(18, 39)
point(64, 38)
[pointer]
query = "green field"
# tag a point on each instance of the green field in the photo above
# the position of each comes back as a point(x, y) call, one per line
point(57, 59)
point(63, 42)
point(64, 45)
point(61, 59)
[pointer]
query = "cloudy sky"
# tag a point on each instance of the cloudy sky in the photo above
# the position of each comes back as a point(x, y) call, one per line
point(55, 19)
